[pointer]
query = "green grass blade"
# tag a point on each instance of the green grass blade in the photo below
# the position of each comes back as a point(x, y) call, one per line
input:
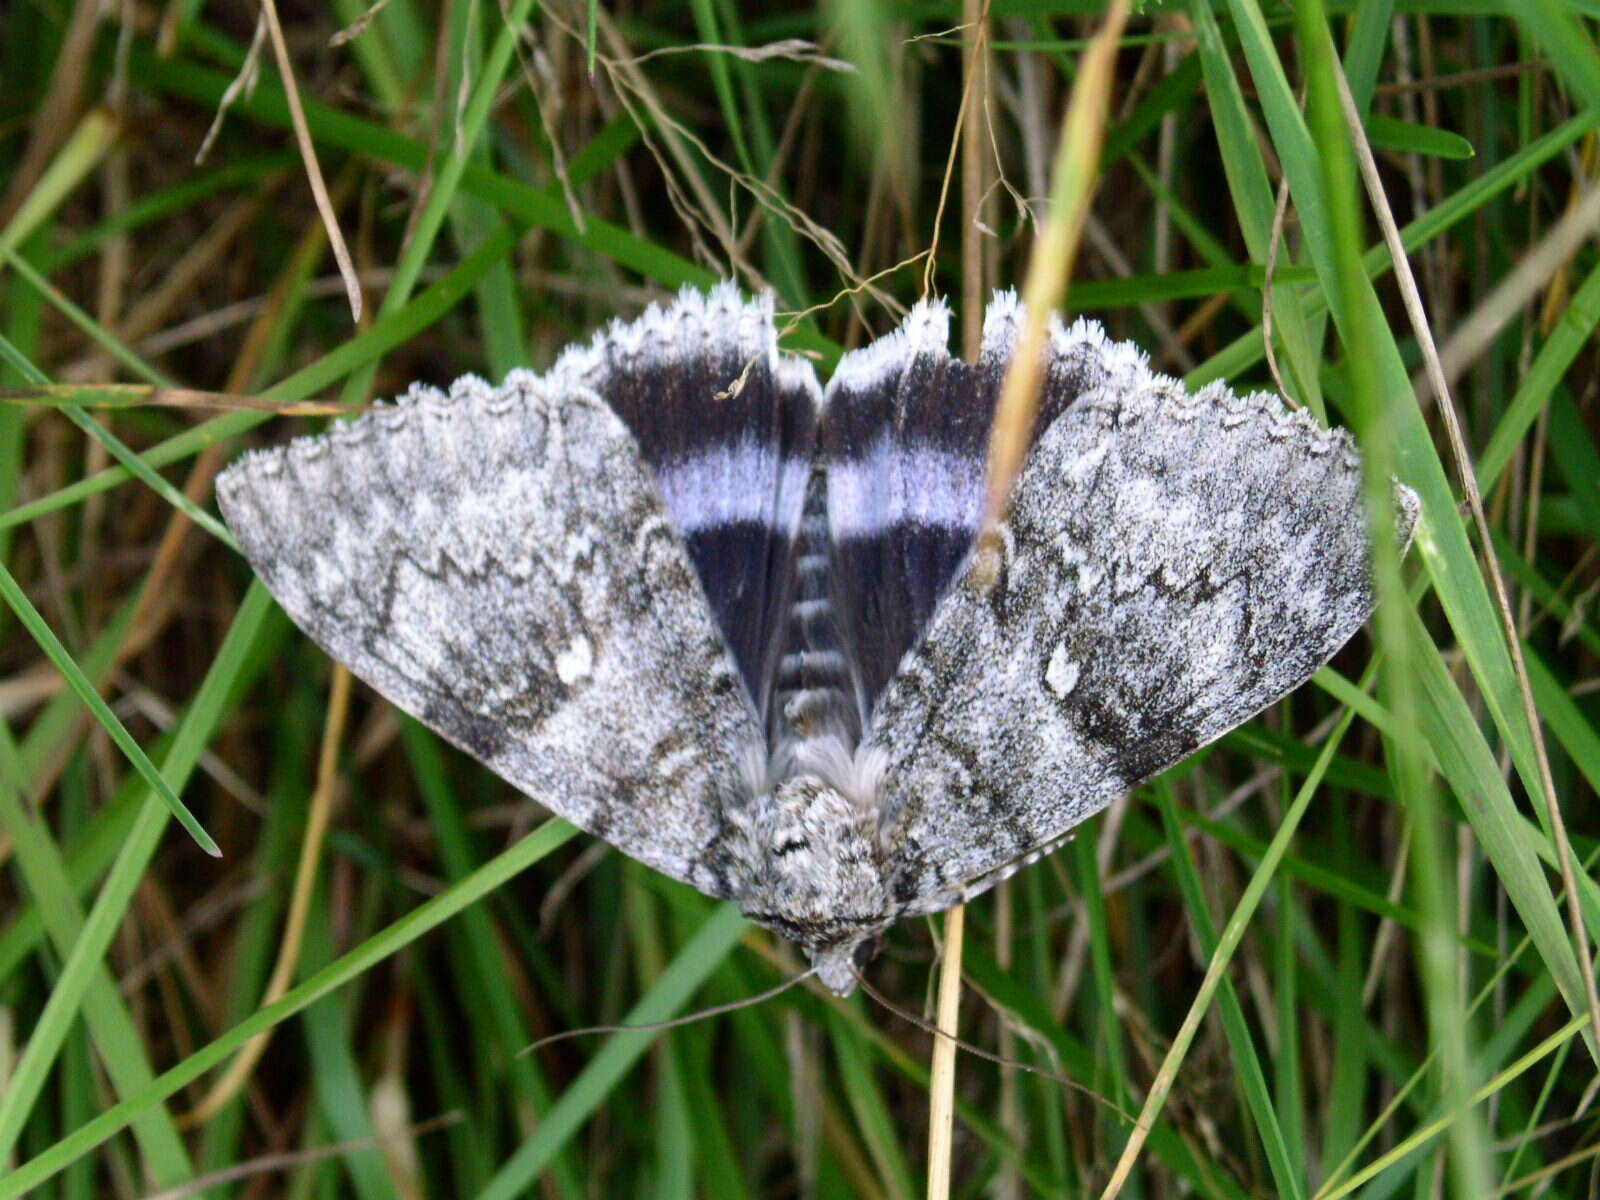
point(447, 177)
point(1563, 38)
point(79, 155)
point(79, 970)
point(429, 306)
point(112, 1029)
point(1254, 200)
point(1441, 539)
point(871, 1109)
point(1570, 334)
point(58, 654)
point(1369, 35)
point(375, 949)
point(719, 935)
point(85, 860)
point(96, 332)
point(1390, 133)
point(503, 1031)
point(1250, 1076)
point(341, 1093)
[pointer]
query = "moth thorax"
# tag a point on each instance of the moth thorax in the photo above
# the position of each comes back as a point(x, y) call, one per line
point(822, 877)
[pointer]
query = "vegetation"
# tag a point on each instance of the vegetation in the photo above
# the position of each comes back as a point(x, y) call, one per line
point(1346, 951)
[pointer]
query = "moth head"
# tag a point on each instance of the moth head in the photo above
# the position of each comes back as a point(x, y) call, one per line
point(838, 965)
point(820, 881)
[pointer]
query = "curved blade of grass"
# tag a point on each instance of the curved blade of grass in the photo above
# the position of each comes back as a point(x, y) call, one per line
point(1113, 1071)
point(1031, 1006)
point(1253, 199)
point(371, 33)
point(719, 935)
point(1553, 600)
point(1576, 458)
point(719, 1170)
point(163, 202)
point(871, 1108)
point(335, 1075)
point(1441, 538)
point(783, 244)
point(84, 861)
point(1567, 43)
point(71, 164)
point(441, 192)
point(116, 1037)
point(499, 312)
point(536, 206)
point(1165, 96)
point(58, 654)
point(1244, 352)
point(495, 1018)
point(1567, 337)
point(374, 950)
point(1306, 870)
point(95, 331)
point(1288, 1073)
point(430, 305)
point(88, 952)
point(1363, 55)
point(1200, 282)
point(1252, 1080)
point(1393, 134)
point(47, 731)
point(128, 458)
point(1566, 720)
point(542, 207)
point(259, 934)
point(1232, 934)
point(1456, 747)
point(1442, 1124)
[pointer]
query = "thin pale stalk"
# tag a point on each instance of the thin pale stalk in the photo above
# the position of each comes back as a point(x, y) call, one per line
point(305, 882)
point(942, 1085)
point(308, 152)
point(1050, 266)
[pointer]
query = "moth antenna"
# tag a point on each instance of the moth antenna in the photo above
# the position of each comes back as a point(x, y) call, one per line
point(906, 1014)
point(715, 1010)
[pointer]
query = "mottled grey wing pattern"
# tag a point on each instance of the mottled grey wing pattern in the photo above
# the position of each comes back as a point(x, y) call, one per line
point(1172, 564)
point(498, 563)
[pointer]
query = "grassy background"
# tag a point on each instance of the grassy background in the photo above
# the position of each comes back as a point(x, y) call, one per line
point(1400, 1000)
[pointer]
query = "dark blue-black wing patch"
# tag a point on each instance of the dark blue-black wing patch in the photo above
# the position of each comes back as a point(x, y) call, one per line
point(905, 440)
point(729, 426)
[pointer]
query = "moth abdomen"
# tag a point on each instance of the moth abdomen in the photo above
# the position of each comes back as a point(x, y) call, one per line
point(815, 689)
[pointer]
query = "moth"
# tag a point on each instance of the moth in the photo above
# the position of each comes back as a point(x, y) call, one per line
point(736, 624)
